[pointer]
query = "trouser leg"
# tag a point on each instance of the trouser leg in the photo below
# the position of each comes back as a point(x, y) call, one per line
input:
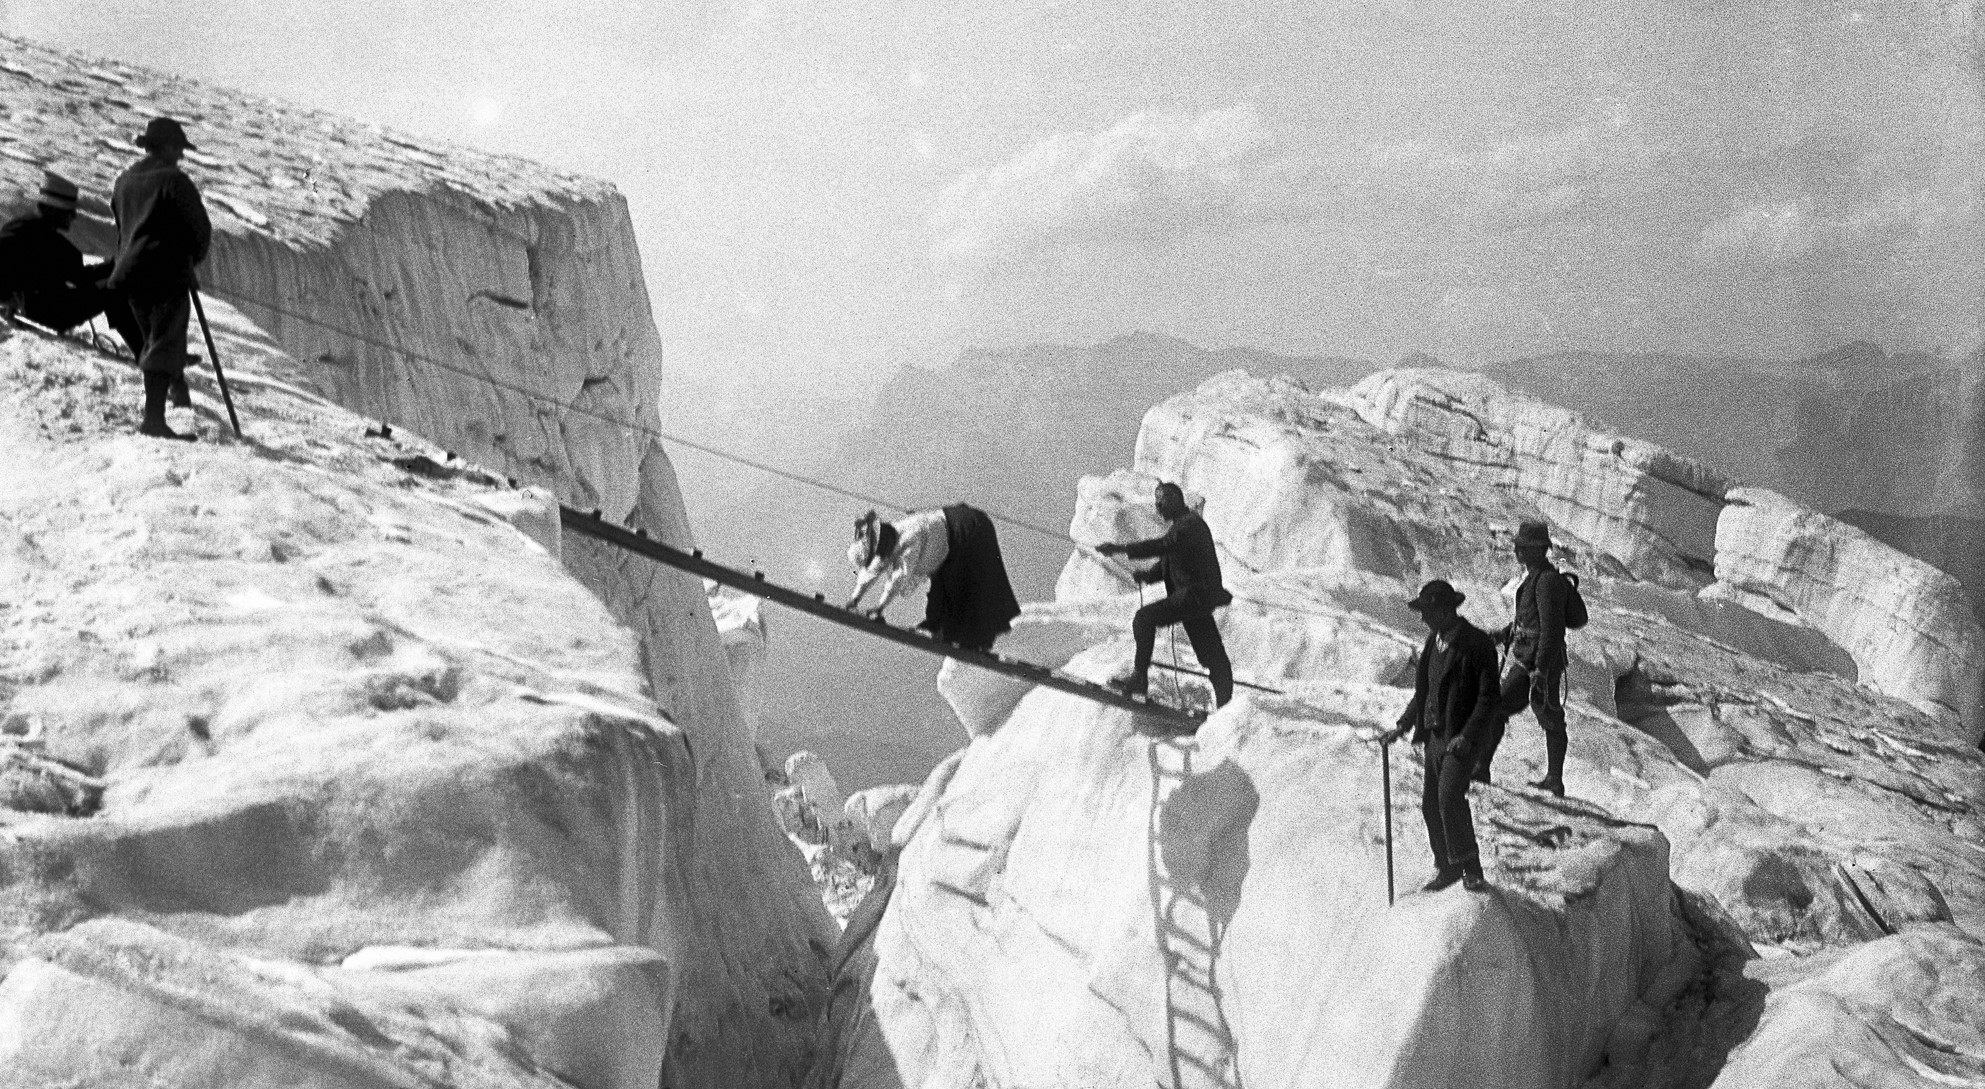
point(1430, 804)
point(1515, 693)
point(1204, 633)
point(1457, 820)
point(156, 384)
point(162, 318)
point(117, 311)
point(1144, 628)
point(1546, 699)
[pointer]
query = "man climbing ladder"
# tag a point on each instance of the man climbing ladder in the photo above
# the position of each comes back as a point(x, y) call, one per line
point(1189, 565)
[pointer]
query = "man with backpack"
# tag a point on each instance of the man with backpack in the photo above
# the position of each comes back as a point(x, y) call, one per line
point(1547, 603)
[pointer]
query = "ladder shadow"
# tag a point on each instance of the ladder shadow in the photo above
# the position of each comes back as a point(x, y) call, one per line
point(1197, 858)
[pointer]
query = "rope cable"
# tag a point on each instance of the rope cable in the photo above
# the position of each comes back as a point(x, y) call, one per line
point(666, 436)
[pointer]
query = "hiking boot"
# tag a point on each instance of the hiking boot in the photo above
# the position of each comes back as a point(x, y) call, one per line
point(1443, 877)
point(161, 431)
point(1555, 786)
point(1131, 685)
point(1473, 881)
point(177, 395)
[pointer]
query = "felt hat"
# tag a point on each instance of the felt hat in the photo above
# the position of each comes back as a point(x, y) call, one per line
point(1533, 533)
point(57, 192)
point(1436, 594)
point(164, 132)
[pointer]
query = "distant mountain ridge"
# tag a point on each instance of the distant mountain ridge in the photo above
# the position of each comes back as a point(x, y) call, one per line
point(1851, 428)
point(1012, 430)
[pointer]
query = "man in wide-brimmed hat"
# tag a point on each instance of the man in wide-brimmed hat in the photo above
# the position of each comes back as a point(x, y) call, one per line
point(1535, 673)
point(1454, 704)
point(162, 233)
point(42, 273)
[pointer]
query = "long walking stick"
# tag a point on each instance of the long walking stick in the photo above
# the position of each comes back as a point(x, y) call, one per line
point(1385, 768)
point(215, 355)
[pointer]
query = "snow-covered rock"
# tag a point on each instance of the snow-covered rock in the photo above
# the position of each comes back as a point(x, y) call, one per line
point(1651, 510)
point(1899, 1011)
point(335, 704)
point(494, 308)
point(746, 635)
point(1740, 782)
point(1086, 906)
point(1907, 624)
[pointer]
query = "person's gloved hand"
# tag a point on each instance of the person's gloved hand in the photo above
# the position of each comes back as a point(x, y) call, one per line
point(1459, 746)
point(1394, 734)
point(1151, 575)
point(1110, 548)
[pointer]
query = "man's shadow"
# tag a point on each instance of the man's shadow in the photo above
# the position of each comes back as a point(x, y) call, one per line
point(1199, 858)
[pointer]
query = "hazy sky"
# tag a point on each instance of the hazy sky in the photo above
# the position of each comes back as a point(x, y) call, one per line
point(824, 190)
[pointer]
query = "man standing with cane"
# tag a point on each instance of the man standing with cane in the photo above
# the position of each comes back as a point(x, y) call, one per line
point(1454, 703)
point(162, 233)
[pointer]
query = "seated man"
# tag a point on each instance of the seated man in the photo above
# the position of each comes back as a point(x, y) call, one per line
point(971, 602)
point(42, 272)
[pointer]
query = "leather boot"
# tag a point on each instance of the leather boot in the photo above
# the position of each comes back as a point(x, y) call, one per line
point(176, 394)
point(1130, 684)
point(156, 385)
point(1443, 877)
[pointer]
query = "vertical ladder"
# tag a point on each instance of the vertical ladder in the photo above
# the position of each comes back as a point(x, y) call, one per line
point(1199, 1045)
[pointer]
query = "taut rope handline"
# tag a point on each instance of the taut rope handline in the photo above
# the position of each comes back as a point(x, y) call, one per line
point(594, 525)
point(657, 433)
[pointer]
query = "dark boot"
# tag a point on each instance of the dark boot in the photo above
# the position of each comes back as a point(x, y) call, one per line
point(1472, 879)
point(1551, 783)
point(1132, 684)
point(156, 385)
point(1443, 877)
point(177, 395)
point(1555, 744)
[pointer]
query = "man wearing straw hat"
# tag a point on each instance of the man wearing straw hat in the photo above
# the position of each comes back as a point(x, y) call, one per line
point(162, 233)
point(42, 273)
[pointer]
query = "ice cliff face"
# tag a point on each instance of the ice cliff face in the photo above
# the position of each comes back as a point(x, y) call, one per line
point(1774, 845)
point(394, 278)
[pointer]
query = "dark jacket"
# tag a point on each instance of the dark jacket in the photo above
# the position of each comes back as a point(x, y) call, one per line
point(35, 257)
point(1187, 561)
point(1538, 632)
point(162, 229)
point(1462, 697)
